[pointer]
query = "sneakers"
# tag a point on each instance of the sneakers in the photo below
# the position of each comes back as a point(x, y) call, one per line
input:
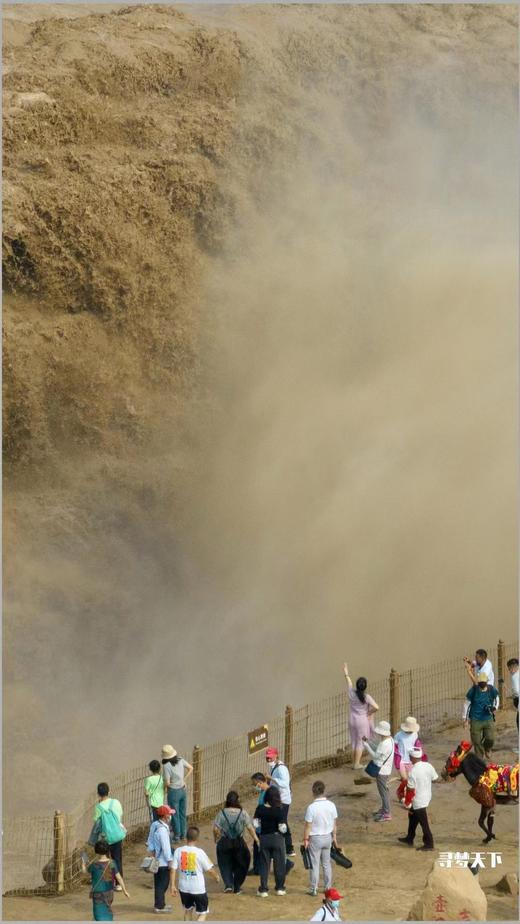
point(404, 840)
point(424, 848)
point(289, 865)
point(291, 853)
point(280, 892)
point(262, 894)
point(238, 892)
point(312, 891)
point(383, 817)
point(358, 766)
point(228, 889)
point(118, 888)
point(165, 910)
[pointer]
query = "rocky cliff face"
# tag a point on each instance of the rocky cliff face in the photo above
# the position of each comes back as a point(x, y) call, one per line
point(209, 356)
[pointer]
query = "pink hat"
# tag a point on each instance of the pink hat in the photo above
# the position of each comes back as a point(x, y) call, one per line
point(271, 752)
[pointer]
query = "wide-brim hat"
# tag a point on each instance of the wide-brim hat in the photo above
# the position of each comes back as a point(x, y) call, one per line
point(410, 724)
point(383, 728)
point(168, 751)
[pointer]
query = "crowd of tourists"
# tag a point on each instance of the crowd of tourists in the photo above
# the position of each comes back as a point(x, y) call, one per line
point(179, 865)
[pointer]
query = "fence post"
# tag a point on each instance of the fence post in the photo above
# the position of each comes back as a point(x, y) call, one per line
point(394, 700)
point(197, 781)
point(59, 852)
point(289, 733)
point(501, 672)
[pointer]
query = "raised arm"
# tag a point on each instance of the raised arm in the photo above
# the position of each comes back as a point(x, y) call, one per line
point(347, 678)
point(471, 674)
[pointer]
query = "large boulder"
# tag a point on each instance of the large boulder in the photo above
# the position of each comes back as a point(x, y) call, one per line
point(508, 883)
point(450, 895)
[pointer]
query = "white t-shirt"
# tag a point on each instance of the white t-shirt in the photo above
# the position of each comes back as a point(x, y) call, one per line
point(321, 814)
point(514, 683)
point(382, 755)
point(192, 863)
point(420, 778)
point(487, 668)
point(325, 914)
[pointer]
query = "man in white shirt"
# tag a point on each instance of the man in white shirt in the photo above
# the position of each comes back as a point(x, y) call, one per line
point(319, 834)
point(480, 665)
point(417, 799)
point(279, 776)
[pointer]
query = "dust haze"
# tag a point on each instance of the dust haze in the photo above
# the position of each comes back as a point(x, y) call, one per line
point(333, 473)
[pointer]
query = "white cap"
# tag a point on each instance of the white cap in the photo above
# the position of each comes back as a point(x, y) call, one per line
point(416, 752)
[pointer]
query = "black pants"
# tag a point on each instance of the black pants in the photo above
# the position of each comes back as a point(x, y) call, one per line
point(161, 881)
point(288, 836)
point(256, 859)
point(116, 852)
point(419, 817)
point(233, 862)
point(272, 847)
point(515, 704)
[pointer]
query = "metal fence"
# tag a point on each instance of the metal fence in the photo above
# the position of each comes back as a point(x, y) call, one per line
point(43, 855)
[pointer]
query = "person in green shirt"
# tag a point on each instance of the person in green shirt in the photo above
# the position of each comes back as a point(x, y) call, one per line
point(154, 789)
point(479, 714)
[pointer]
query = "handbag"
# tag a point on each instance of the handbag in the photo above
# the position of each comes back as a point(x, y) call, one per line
point(150, 865)
point(306, 857)
point(339, 857)
point(372, 768)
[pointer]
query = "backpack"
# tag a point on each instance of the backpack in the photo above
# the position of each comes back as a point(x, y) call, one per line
point(111, 828)
point(234, 839)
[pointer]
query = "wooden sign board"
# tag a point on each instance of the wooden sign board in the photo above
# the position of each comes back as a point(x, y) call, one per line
point(258, 739)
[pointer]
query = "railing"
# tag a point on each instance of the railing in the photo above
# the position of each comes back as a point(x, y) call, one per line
point(43, 855)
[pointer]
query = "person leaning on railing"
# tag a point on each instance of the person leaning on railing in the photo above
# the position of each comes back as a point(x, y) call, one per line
point(360, 722)
point(176, 772)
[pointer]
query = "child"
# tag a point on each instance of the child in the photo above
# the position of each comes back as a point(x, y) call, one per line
point(103, 871)
point(154, 789)
point(190, 862)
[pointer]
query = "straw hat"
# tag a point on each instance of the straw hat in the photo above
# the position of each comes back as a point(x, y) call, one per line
point(168, 752)
point(383, 728)
point(410, 724)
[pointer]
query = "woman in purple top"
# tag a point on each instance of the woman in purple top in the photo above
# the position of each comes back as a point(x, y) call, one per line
point(360, 723)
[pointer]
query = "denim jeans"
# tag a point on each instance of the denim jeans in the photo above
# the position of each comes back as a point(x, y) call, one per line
point(177, 801)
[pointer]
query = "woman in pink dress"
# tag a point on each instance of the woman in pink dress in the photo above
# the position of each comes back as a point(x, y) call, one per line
point(360, 722)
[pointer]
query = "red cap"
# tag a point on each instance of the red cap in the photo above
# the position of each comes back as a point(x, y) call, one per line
point(164, 811)
point(271, 752)
point(333, 894)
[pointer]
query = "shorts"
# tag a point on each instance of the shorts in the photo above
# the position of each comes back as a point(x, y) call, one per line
point(198, 903)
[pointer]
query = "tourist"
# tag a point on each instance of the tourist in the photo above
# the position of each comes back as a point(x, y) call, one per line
point(512, 666)
point(159, 844)
point(154, 789)
point(176, 771)
point(329, 910)
point(280, 777)
point(360, 722)
point(405, 739)
point(479, 713)
point(319, 834)
point(271, 818)
point(233, 854)
point(191, 862)
point(261, 785)
point(382, 757)
point(418, 798)
point(103, 871)
point(481, 663)
point(109, 813)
